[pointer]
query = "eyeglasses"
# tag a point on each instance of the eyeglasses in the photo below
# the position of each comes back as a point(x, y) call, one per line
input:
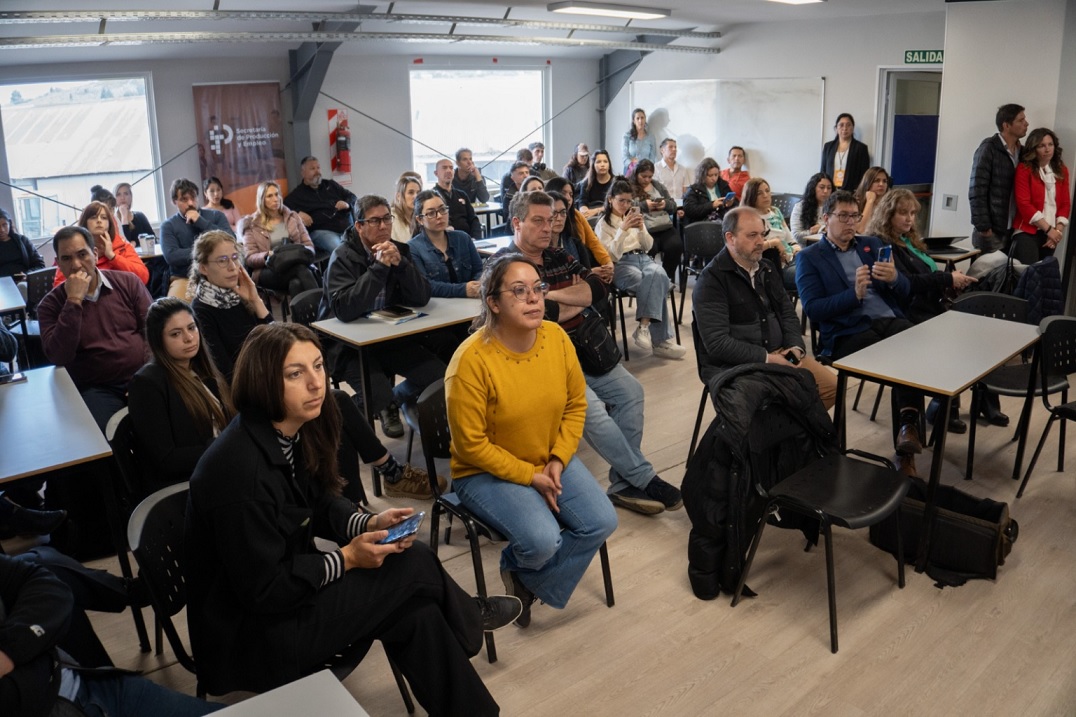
point(562, 214)
point(378, 221)
point(434, 213)
point(847, 217)
point(225, 261)
point(523, 292)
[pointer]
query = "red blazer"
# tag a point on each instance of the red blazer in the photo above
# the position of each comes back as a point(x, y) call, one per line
point(1030, 193)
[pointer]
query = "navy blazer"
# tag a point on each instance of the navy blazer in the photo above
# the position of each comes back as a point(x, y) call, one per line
point(830, 299)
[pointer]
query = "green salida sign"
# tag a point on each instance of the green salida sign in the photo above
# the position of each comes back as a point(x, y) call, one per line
point(923, 57)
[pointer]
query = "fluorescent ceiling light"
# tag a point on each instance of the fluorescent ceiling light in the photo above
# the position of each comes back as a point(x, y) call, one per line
point(797, 2)
point(607, 10)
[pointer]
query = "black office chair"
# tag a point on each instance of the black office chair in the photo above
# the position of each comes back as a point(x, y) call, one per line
point(436, 443)
point(786, 203)
point(304, 306)
point(155, 533)
point(38, 283)
point(834, 490)
point(1011, 380)
point(1057, 359)
point(617, 307)
point(702, 242)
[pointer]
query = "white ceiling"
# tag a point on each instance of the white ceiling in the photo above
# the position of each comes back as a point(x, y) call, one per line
point(700, 15)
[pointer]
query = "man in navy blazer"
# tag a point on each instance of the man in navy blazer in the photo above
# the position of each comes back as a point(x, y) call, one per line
point(855, 300)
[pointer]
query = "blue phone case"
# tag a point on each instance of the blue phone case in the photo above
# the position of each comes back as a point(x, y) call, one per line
point(403, 529)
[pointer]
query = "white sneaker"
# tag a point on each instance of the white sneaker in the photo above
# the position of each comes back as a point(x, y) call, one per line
point(642, 338)
point(669, 350)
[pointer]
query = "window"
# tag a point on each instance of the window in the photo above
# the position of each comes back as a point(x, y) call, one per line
point(62, 138)
point(494, 112)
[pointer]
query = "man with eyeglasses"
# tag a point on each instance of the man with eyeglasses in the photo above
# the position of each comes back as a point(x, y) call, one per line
point(855, 300)
point(461, 215)
point(742, 311)
point(369, 271)
point(614, 420)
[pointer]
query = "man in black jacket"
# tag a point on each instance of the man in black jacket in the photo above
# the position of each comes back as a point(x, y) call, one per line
point(993, 169)
point(323, 205)
point(743, 312)
point(461, 215)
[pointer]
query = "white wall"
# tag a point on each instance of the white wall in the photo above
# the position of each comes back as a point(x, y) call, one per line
point(995, 53)
point(846, 51)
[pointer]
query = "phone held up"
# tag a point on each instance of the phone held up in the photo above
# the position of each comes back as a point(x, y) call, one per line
point(885, 253)
point(403, 529)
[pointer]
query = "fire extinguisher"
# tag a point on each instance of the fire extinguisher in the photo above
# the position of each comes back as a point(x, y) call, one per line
point(343, 147)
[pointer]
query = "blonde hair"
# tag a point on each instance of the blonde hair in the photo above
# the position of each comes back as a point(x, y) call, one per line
point(261, 214)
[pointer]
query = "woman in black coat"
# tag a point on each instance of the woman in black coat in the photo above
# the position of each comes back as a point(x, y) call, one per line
point(707, 199)
point(845, 158)
point(265, 605)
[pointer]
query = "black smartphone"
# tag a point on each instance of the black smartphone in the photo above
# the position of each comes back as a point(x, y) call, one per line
point(12, 378)
point(792, 358)
point(403, 529)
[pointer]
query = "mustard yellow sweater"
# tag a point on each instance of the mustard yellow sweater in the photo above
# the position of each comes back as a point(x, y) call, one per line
point(510, 413)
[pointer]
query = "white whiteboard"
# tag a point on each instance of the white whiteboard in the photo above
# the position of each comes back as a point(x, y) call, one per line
point(778, 121)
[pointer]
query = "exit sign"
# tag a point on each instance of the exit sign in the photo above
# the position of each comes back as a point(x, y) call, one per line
point(923, 57)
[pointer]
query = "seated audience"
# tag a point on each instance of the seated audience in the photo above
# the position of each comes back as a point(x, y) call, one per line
point(468, 178)
point(18, 255)
point(403, 207)
point(113, 251)
point(614, 419)
point(807, 214)
point(708, 198)
point(514, 462)
point(576, 235)
point(92, 324)
point(781, 247)
point(735, 174)
point(512, 181)
point(179, 401)
point(265, 234)
point(872, 187)
point(623, 234)
point(179, 231)
point(1043, 198)
point(575, 171)
point(134, 224)
point(658, 209)
point(856, 302)
point(743, 312)
point(461, 215)
point(590, 193)
point(265, 605)
point(447, 258)
point(675, 177)
point(213, 190)
point(324, 206)
point(538, 167)
point(369, 271)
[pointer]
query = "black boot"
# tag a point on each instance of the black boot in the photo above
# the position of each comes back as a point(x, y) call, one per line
point(990, 409)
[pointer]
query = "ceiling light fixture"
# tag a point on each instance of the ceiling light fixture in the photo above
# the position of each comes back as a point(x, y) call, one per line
point(608, 10)
point(797, 2)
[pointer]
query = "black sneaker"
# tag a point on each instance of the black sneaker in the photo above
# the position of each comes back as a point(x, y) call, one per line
point(498, 611)
point(390, 421)
point(668, 494)
point(515, 587)
point(634, 499)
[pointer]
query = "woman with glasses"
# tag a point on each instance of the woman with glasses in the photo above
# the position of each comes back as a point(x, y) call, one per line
point(1043, 198)
point(268, 230)
point(513, 461)
point(403, 207)
point(872, 187)
point(178, 401)
point(590, 193)
point(623, 234)
point(807, 214)
point(658, 209)
point(845, 158)
point(575, 171)
point(781, 247)
point(448, 259)
point(710, 196)
point(577, 234)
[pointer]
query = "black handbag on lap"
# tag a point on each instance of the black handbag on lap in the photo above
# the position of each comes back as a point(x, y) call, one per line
point(594, 345)
point(288, 256)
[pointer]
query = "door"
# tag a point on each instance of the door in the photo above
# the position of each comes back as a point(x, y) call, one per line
point(910, 132)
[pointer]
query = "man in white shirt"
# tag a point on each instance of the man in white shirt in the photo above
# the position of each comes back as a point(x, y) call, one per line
point(675, 177)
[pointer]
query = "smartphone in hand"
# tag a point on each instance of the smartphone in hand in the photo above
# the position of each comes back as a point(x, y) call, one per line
point(403, 529)
point(885, 253)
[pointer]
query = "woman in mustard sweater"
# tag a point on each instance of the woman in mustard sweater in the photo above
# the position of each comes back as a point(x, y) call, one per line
point(516, 406)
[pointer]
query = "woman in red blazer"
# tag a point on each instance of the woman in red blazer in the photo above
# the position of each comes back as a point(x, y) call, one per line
point(1043, 200)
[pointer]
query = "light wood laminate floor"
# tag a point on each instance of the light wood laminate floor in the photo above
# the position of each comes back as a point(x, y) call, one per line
point(991, 648)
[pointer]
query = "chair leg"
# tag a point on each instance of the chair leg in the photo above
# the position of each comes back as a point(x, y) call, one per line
point(859, 392)
point(1061, 437)
point(480, 584)
point(683, 295)
point(698, 423)
point(770, 508)
point(1035, 456)
point(603, 552)
point(972, 421)
point(623, 325)
point(159, 629)
point(410, 442)
point(402, 684)
point(376, 480)
point(676, 322)
point(831, 587)
point(900, 551)
point(877, 402)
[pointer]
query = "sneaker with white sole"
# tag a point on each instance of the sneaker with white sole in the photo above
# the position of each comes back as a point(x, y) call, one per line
point(412, 483)
point(641, 337)
point(667, 349)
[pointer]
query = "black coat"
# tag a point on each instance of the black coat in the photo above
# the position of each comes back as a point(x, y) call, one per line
point(857, 164)
point(927, 287)
point(31, 259)
point(461, 215)
point(698, 207)
point(990, 189)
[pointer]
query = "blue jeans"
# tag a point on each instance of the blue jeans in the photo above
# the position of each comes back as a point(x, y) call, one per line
point(614, 427)
point(548, 551)
point(129, 695)
point(644, 276)
point(324, 240)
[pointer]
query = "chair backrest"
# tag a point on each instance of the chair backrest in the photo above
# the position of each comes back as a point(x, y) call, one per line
point(703, 239)
point(155, 534)
point(38, 283)
point(1058, 349)
point(786, 202)
point(994, 305)
point(128, 484)
point(433, 428)
point(304, 306)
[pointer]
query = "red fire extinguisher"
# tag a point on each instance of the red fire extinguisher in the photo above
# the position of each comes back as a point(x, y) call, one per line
point(343, 147)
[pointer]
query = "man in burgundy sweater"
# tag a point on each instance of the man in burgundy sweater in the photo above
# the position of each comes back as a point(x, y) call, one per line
point(92, 324)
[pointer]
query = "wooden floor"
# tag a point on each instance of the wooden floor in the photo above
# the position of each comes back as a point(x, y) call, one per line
point(994, 648)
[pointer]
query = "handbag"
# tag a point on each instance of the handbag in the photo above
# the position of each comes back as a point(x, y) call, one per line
point(287, 257)
point(657, 221)
point(594, 345)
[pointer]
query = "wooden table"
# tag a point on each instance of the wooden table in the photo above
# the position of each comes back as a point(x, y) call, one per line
point(45, 425)
point(12, 303)
point(487, 210)
point(317, 694)
point(489, 247)
point(941, 357)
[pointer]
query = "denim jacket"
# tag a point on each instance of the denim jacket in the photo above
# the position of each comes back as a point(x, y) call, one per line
point(461, 252)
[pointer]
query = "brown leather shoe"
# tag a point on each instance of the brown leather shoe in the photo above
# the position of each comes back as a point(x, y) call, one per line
point(905, 463)
point(908, 439)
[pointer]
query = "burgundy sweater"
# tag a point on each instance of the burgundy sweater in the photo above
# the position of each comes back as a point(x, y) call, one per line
point(99, 342)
